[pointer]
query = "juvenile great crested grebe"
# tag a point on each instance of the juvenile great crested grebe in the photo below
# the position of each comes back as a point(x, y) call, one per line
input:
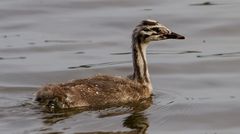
point(103, 90)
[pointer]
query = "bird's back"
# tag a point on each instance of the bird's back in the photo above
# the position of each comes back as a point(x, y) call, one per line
point(97, 91)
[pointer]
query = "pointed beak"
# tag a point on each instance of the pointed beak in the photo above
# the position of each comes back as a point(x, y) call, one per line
point(173, 35)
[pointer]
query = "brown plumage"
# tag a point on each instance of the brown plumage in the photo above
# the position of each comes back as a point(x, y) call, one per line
point(91, 91)
point(105, 91)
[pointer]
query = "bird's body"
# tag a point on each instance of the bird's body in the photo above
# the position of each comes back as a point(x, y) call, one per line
point(101, 90)
point(105, 91)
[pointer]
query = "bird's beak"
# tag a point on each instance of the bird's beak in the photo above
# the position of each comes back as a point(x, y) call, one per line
point(173, 35)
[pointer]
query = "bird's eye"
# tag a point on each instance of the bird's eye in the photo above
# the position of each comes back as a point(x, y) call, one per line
point(146, 29)
point(156, 29)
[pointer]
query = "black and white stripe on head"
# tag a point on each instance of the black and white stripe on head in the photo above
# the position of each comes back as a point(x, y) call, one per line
point(154, 26)
point(151, 30)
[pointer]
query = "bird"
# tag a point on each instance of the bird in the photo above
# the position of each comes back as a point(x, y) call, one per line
point(105, 90)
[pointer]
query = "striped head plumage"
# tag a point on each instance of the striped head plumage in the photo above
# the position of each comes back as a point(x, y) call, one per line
point(151, 30)
point(145, 32)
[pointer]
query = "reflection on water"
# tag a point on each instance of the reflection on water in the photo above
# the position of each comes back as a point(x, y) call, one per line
point(136, 121)
point(53, 115)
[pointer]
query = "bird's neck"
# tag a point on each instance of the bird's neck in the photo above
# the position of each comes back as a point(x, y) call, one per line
point(140, 66)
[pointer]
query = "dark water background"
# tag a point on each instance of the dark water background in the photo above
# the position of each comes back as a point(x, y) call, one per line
point(196, 81)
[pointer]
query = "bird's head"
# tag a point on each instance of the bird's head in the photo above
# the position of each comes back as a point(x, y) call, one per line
point(151, 30)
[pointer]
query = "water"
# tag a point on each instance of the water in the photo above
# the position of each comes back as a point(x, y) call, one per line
point(196, 81)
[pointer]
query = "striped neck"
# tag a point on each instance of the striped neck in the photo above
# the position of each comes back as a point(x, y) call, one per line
point(140, 63)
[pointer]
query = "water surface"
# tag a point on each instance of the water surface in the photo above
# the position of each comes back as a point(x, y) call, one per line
point(196, 81)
